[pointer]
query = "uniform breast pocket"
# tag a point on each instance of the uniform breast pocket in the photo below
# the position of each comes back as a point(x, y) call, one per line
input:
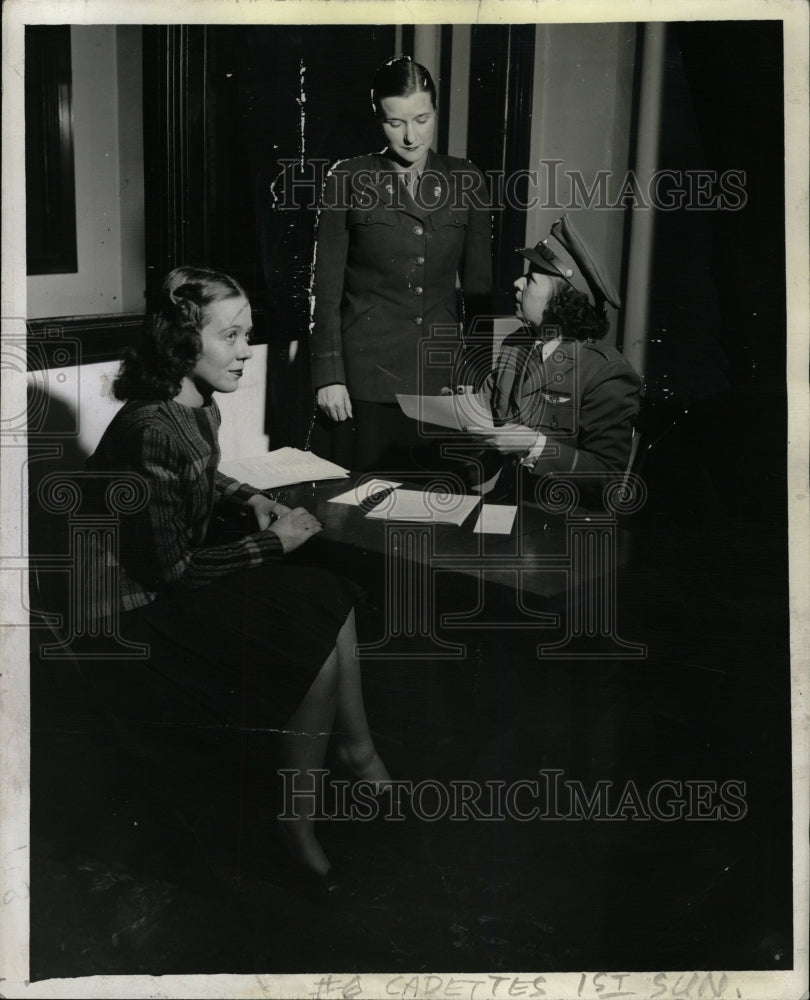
point(448, 220)
point(366, 219)
point(557, 413)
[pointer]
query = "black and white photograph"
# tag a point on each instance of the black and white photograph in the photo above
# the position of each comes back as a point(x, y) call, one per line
point(404, 492)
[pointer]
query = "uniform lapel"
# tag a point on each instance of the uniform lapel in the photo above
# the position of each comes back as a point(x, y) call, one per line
point(385, 183)
point(433, 193)
point(542, 381)
point(434, 188)
point(511, 367)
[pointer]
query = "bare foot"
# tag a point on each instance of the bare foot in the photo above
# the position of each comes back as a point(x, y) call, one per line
point(364, 763)
point(298, 839)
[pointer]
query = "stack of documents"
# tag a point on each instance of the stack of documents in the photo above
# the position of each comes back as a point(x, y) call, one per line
point(384, 501)
point(426, 507)
point(281, 467)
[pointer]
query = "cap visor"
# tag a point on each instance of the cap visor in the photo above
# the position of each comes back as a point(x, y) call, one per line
point(540, 263)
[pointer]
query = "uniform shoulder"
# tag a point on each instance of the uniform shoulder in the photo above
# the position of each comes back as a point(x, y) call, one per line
point(352, 164)
point(603, 355)
point(454, 164)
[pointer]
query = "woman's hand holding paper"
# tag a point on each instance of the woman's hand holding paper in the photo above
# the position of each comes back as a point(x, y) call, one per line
point(508, 439)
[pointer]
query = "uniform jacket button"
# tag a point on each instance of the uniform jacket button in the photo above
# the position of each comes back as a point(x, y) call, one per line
point(420, 260)
point(418, 320)
point(418, 290)
point(418, 230)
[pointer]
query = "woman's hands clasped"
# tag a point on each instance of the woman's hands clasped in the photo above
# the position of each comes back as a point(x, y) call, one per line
point(266, 510)
point(295, 527)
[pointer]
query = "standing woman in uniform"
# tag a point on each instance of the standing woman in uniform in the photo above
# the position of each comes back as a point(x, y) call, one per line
point(398, 232)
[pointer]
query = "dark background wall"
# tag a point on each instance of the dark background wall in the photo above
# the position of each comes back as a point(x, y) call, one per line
point(715, 375)
point(257, 96)
point(705, 586)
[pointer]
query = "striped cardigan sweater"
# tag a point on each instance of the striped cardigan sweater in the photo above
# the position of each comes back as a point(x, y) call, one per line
point(174, 450)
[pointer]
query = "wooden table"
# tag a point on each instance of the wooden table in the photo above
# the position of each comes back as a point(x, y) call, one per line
point(435, 582)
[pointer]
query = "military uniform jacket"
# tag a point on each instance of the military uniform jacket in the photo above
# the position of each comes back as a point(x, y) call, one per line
point(584, 397)
point(384, 275)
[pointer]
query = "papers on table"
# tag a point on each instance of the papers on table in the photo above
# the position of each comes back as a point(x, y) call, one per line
point(427, 507)
point(383, 501)
point(366, 492)
point(495, 519)
point(281, 467)
point(456, 412)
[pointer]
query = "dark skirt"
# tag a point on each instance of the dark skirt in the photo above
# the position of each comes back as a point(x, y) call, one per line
point(241, 652)
point(377, 438)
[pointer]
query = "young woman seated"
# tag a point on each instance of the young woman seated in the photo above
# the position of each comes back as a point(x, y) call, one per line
point(247, 639)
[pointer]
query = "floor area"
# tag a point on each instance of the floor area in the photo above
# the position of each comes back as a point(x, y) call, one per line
point(153, 853)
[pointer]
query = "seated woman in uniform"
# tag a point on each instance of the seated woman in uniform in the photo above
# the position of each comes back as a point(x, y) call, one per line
point(244, 639)
point(563, 400)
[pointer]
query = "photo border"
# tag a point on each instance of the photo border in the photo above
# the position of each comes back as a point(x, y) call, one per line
point(14, 692)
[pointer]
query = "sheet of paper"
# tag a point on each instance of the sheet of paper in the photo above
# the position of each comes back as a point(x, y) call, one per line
point(495, 519)
point(281, 467)
point(456, 412)
point(365, 492)
point(430, 508)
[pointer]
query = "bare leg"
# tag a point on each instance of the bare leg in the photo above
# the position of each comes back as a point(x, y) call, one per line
point(336, 689)
point(356, 750)
point(303, 747)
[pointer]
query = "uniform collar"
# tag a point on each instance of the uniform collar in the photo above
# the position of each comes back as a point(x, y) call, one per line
point(558, 360)
point(528, 334)
point(383, 162)
point(393, 195)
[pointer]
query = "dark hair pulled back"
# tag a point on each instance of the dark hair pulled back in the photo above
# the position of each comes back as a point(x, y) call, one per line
point(170, 344)
point(400, 77)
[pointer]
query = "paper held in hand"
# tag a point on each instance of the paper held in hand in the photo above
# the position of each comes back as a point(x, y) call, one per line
point(457, 412)
point(281, 467)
